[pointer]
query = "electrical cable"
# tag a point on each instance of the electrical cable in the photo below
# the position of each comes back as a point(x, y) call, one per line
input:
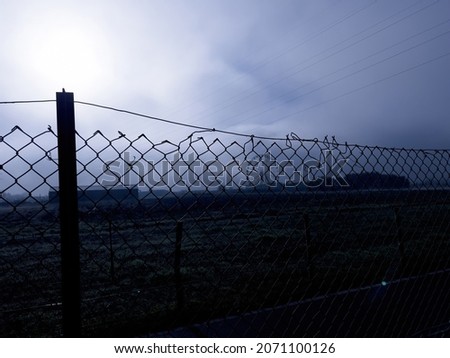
point(272, 58)
point(371, 84)
point(347, 66)
point(225, 104)
point(352, 73)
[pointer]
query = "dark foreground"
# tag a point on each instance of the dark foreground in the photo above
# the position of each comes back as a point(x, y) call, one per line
point(414, 307)
point(177, 262)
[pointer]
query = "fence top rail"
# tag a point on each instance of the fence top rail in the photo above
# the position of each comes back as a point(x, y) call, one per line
point(28, 101)
point(289, 138)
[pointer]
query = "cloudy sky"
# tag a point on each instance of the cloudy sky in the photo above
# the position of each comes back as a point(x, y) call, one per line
point(367, 71)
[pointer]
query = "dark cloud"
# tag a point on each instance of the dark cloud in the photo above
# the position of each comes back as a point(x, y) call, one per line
point(373, 72)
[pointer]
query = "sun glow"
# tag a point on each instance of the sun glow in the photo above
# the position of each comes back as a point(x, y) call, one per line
point(60, 55)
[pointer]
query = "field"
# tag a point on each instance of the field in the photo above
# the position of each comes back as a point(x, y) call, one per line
point(238, 251)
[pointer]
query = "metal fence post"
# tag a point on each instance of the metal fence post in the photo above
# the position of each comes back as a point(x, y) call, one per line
point(178, 281)
point(307, 232)
point(111, 252)
point(68, 210)
point(399, 234)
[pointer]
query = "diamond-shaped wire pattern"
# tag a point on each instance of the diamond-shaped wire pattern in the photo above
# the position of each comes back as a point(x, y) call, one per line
point(29, 236)
point(227, 235)
point(262, 223)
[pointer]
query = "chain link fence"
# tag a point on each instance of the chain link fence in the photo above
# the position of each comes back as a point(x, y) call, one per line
point(228, 235)
point(30, 248)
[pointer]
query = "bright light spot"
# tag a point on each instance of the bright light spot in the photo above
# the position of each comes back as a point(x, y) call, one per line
point(68, 58)
point(383, 283)
point(60, 53)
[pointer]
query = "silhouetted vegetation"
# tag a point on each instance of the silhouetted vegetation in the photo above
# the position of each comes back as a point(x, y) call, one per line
point(374, 180)
point(359, 181)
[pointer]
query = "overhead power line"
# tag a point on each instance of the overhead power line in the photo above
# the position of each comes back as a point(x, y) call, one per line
point(350, 65)
point(270, 59)
point(296, 69)
point(296, 97)
point(370, 84)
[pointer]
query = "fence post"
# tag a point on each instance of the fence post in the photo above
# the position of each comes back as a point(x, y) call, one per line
point(308, 242)
point(68, 211)
point(111, 252)
point(399, 234)
point(177, 265)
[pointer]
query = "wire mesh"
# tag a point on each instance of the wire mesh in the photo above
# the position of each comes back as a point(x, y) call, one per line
point(29, 236)
point(175, 234)
point(226, 235)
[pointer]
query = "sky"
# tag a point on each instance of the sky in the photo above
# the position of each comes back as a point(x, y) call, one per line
point(366, 71)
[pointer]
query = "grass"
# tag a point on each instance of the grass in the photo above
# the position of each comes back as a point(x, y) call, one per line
point(235, 258)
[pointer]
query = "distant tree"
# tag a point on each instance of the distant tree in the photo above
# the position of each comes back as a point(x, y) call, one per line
point(374, 180)
point(364, 180)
